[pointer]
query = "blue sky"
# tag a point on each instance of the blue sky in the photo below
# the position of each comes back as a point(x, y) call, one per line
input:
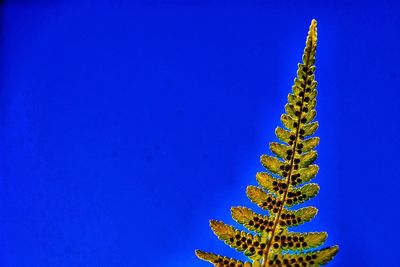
point(126, 126)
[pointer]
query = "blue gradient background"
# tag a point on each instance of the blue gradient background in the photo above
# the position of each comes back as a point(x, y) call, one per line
point(126, 126)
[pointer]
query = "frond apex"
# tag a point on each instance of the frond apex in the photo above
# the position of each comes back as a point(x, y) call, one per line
point(284, 184)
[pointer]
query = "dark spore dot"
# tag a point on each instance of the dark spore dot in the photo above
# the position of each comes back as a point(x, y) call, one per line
point(251, 223)
point(305, 109)
point(309, 82)
point(295, 124)
point(306, 99)
point(290, 143)
point(298, 103)
point(303, 120)
point(275, 183)
point(301, 94)
point(292, 137)
point(302, 132)
point(296, 166)
point(301, 239)
point(300, 146)
point(284, 174)
point(282, 167)
point(296, 161)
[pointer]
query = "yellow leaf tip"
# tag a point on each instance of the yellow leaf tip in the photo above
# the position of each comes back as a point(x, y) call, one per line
point(314, 22)
point(198, 252)
point(215, 223)
point(312, 34)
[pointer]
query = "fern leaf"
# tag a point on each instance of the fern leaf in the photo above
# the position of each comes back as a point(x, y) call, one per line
point(251, 220)
point(284, 185)
point(240, 240)
point(221, 261)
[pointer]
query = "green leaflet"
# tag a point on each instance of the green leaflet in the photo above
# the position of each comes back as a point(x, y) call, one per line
point(240, 240)
point(251, 220)
point(290, 241)
point(284, 185)
point(302, 194)
point(221, 261)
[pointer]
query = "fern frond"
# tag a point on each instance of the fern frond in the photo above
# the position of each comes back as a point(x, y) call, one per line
point(284, 185)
